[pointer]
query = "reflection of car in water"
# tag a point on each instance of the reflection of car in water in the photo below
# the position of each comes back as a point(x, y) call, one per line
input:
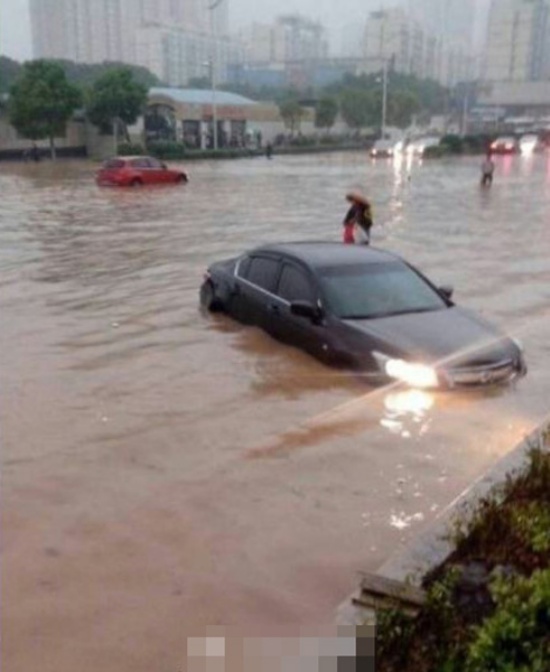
point(418, 147)
point(132, 171)
point(504, 145)
point(386, 148)
point(364, 309)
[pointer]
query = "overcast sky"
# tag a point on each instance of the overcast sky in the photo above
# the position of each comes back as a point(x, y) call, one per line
point(15, 38)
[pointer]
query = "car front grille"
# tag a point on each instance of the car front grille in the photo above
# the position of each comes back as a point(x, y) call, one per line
point(487, 374)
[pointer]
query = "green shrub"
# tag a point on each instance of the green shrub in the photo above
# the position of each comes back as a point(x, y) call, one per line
point(517, 637)
point(435, 152)
point(303, 141)
point(453, 143)
point(167, 150)
point(330, 140)
point(532, 524)
point(130, 149)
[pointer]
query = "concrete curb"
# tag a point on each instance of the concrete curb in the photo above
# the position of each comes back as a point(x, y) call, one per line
point(434, 546)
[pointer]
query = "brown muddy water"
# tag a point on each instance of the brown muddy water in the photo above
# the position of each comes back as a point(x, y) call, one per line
point(165, 470)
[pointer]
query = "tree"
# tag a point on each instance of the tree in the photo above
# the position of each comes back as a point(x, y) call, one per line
point(401, 106)
point(9, 72)
point(291, 112)
point(86, 74)
point(357, 107)
point(115, 98)
point(326, 111)
point(42, 102)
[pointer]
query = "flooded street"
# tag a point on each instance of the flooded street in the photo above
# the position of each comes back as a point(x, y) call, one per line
point(166, 470)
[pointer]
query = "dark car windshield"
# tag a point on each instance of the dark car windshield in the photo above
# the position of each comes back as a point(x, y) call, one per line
point(377, 290)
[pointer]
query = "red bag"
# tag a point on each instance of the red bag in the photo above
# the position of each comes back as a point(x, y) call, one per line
point(349, 237)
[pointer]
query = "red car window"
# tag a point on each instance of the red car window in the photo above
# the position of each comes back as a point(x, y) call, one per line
point(154, 163)
point(113, 164)
point(139, 163)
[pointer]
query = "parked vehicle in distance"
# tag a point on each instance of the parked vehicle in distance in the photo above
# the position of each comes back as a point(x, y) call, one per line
point(418, 147)
point(529, 143)
point(504, 145)
point(363, 309)
point(133, 171)
point(386, 148)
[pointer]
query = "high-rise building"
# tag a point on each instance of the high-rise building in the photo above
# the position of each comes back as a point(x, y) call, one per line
point(450, 20)
point(152, 33)
point(404, 41)
point(298, 39)
point(389, 36)
point(518, 41)
point(288, 38)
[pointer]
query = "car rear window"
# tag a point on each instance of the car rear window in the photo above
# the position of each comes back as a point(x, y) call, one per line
point(113, 164)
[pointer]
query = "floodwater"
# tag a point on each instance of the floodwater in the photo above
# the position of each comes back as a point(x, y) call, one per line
point(165, 470)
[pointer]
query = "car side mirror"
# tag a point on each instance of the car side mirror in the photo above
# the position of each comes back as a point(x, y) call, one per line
point(446, 291)
point(307, 310)
point(164, 166)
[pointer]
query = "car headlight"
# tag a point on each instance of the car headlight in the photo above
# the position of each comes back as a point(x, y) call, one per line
point(412, 373)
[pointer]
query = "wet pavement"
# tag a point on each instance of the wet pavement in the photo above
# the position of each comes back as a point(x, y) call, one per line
point(166, 470)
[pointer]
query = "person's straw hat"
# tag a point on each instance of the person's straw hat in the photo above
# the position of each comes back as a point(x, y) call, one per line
point(356, 197)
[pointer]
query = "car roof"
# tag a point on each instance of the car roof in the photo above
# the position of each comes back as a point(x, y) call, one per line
point(326, 254)
point(130, 158)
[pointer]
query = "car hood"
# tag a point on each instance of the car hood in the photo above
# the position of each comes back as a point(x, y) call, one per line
point(453, 335)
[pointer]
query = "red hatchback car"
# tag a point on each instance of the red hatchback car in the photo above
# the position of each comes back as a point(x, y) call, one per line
point(133, 171)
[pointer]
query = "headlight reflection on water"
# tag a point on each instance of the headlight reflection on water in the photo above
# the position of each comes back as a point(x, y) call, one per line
point(407, 412)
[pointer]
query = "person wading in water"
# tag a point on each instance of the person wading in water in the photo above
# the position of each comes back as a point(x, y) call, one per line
point(487, 171)
point(358, 220)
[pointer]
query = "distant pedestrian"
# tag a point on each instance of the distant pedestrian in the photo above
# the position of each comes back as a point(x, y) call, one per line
point(358, 220)
point(269, 150)
point(32, 154)
point(487, 171)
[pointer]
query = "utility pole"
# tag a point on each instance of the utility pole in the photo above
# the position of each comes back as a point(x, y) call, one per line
point(212, 7)
point(465, 106)
point(384, 97)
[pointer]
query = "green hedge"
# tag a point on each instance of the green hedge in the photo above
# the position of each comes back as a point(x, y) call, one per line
point(176, 151)
point(130, 149)
point(435, 152)
point(167, 150)
point(453, 143)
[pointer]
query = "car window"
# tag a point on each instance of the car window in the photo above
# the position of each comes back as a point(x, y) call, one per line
point(113, 164)
point(244, 265)
point(294, 285)
point(154, 163)
point(377, 290)
point(263, 272)
point(139, 163)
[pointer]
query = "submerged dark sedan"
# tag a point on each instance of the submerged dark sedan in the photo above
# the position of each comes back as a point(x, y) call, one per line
point(364, 309)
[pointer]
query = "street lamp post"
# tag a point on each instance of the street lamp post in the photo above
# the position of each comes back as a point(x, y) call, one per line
point(212, 7)
point(384, 97)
